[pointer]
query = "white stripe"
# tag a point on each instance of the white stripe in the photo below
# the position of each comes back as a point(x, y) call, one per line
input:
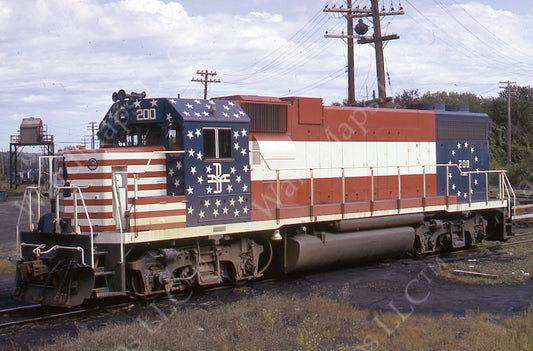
point(327, 158)
point(161, 207)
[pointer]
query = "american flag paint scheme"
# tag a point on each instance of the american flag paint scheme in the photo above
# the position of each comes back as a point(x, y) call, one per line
point(196, 192)
point(265, 176)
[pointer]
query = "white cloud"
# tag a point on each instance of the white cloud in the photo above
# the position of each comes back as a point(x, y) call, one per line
point(62, 59)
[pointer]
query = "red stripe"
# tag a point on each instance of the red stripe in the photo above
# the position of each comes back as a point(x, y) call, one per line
point(307, 120)
point(155, 214)
point(117, 162)
point(115, 150)
point(157, 226)
point(92, 215)
point(159, 200)
point(329, 190)
point(81, 176)
point(131, 187)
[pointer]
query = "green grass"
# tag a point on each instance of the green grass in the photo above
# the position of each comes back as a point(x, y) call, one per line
point(314, 323)
point(511, 264)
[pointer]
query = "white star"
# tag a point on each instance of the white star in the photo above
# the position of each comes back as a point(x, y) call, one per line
point(225, 114)
point(153, 102)
point(226, 107)
point(242, 113)
point(209, 190)
point(475, 159)
point(207, 203)
point(236, 115)
point(453, 152)
point(241, 199)
point(236, 213)
point(453, 186)
point(169, 117)
point(208, 169)
point(177, 183)
point(458, 194)
point(190, 135)
point(186, 113)
point(217, 202)
point(475, 181)
point(200, 180)
point(243, 151)
point(464, 195)
point(171, 172)
point(450, 175)
point(199, 156)
point(232, 202)
point(471, 150)
point(189, 105)
point(231, 103)
point(245, 209)
point(191, 152)
point(245, 188)
point(205, 113)
point(190, 190)
point(232, 170)
point(178, 165)
point(236, 146)
point(243, 132)
point(477, 169)
point(197, 114)
point(193, 170)
point(190, 210)
point(238, 179)
point(215, 212)
point(449, 162)
point(197, 102)
point(245, 169)
point(137, 104)
point(207, 106)
point(466, 144)
point(458, 146)
point(236, 134)
point(198, 132)
point(471, 191)
point(225, 210)
point(172, 101)
point(201, 214)
point(230, 188)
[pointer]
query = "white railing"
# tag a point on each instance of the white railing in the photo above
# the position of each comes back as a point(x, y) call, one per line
point(506, 192)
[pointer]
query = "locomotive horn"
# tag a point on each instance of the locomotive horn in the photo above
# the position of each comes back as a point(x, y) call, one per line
point(137, 95)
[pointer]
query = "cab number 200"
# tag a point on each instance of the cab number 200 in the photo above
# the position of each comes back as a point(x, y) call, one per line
point(146, 114)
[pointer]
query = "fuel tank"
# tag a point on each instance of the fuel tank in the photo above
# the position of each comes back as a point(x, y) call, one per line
point(306, 252)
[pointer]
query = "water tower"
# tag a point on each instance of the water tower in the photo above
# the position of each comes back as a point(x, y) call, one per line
point(32, 133)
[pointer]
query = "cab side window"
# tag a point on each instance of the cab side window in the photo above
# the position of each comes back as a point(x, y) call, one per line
point(217, 143)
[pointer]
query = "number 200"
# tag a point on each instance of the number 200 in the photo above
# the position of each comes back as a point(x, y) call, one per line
point(146, 114)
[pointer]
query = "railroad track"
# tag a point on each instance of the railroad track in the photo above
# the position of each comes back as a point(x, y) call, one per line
point(37, 313)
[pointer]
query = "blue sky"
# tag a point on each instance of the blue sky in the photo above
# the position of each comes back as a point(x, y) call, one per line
point(61, 60)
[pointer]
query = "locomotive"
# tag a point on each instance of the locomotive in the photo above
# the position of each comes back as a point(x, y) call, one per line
point(186, 193)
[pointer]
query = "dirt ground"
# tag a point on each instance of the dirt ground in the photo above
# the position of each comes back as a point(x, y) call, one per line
point(401, 285)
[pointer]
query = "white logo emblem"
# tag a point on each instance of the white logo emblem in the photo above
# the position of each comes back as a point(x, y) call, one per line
point(218, 178)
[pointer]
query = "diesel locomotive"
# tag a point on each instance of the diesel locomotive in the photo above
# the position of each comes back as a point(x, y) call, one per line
point(186, 193)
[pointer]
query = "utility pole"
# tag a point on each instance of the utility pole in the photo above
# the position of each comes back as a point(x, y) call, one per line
point(205, 79)
point(92, 129)
point(508, 87)
point(361, 28)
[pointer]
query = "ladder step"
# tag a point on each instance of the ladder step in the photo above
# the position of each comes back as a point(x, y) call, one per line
point(102, 273)
point(99, 253)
